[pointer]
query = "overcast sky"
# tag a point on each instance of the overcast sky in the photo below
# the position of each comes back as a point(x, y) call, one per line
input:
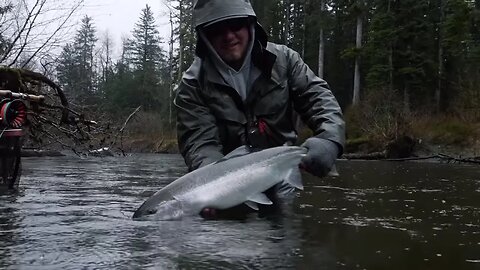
point(119, 16)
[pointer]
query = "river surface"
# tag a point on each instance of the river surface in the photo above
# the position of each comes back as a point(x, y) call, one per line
point(73, 213)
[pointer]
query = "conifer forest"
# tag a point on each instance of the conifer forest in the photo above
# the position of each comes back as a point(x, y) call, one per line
point(397, 67)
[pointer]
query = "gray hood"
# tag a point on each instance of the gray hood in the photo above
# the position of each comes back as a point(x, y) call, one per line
point(211, 11)
point(206, 12)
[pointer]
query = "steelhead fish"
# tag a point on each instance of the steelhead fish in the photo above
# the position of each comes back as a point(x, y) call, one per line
point(240, 177)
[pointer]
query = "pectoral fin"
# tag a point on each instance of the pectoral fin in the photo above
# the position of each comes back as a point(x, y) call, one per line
point(252, 205)
point(259, 198)
point(294, 178)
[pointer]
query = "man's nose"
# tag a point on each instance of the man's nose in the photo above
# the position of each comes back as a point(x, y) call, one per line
point(227, 33)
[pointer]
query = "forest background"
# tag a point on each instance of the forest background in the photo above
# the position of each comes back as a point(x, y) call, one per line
point(400, 69)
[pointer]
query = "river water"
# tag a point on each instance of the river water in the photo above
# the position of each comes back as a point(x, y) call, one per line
point(73, 213)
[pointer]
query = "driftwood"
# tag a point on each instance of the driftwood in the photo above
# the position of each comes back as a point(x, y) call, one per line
point(403, 149)
point(40, 153)
point(440, 157)
point(367, 156)
point(473, 160)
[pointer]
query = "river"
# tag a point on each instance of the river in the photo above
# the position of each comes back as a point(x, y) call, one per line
point(74, 213)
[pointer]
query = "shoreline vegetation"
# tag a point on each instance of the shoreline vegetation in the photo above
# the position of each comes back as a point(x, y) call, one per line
point(444, 138)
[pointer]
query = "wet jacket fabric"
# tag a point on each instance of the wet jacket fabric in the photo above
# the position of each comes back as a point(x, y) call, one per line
point(212, 119)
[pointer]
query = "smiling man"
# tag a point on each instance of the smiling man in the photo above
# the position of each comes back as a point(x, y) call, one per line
point(243, 90)
point(230, 38)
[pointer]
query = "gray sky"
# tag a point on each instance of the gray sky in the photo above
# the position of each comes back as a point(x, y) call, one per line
point(119, 16)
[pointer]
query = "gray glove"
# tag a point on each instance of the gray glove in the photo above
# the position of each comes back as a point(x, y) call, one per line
point(320, 157)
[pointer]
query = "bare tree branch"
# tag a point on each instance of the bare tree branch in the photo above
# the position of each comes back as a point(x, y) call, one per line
point(29, 29)
point(32, 28)
point(54, 33)
point(19, 33)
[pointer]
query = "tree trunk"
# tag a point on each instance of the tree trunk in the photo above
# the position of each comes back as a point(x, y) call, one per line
point(303, 29)
point(390, 57)
point(356, 80)
point(406, 99)
point(181, 41)
point(286, 22)
point(440, 68)
point(321, 44)
point(170, 56)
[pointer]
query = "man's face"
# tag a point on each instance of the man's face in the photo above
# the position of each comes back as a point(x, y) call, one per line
point(230, 40)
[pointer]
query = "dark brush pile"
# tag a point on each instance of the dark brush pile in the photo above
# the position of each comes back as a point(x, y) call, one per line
point(52, 123)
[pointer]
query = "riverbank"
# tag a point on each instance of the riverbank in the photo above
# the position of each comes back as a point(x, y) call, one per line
point(406, 147)
point(409, 138)
point(422, 151)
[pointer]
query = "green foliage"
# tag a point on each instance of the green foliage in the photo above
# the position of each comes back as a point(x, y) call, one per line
point(351, 53)
point(455, 27)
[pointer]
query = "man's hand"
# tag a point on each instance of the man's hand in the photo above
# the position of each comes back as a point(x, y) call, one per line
point(320, 157)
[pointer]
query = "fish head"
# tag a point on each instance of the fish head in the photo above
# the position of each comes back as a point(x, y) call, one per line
point(166, 210)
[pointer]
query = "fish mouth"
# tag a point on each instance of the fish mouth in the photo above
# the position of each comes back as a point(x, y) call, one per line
point(166, 210)
point(140, 213)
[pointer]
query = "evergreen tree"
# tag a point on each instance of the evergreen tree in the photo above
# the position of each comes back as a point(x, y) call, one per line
point(295, 14)
point(272, 14)
point(84, 45)
point(67, 68)
point(186, 36)
point(409, 48)
point(121, 87)
point(149, 65)
point(339, 67)
point(76, 71)
point(379, 48)
point(455, 36)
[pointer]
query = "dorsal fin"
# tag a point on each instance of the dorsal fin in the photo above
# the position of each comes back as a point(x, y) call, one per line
point(238, 152)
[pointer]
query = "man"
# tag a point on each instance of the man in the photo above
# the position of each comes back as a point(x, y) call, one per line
point(243, 90)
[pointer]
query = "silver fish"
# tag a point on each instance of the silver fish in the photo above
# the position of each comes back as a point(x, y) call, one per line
point(240, 177)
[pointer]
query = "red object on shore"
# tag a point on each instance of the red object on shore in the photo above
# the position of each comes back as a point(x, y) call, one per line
point(13, 133)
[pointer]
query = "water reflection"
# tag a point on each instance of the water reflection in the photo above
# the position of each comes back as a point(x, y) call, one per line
point(74, 213)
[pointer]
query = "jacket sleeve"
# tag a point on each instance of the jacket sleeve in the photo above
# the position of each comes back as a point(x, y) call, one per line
point(197, 133)
point(314, 101)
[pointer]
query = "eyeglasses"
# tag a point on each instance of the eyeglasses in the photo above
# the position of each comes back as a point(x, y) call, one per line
point(233, 25)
